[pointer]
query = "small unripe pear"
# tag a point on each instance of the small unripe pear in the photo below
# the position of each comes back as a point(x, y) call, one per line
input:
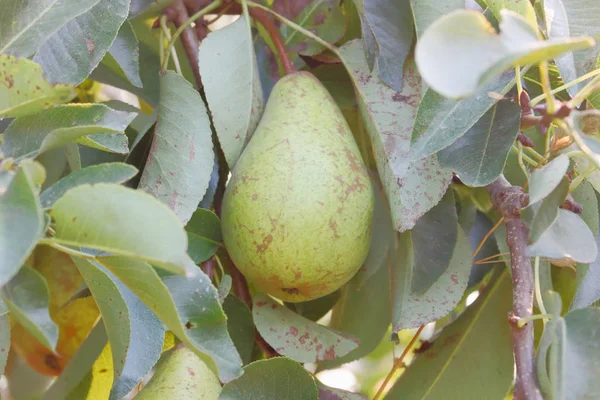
point(297, 211)
point(181, 375)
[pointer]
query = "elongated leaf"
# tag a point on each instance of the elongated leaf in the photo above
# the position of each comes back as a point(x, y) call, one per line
point(28, 299)
point(101, 173)
point(115, 219)
point(76, 49)
point(25, 90)
point(547, 212)
point(589, 289)
point(568, 237)
point(49, 129)
point(428, 11)
point(412, 309)
point(478, 157)
point(204, 235)
point(467, 38)
point(390, 34)
point(412, 188)
point(21, 224)
point(232, 85)
point(544, 180)
point(322, 17)
point(275, 378)
point(189, 307)
point(25, 25)
point(4, 340)
point(455, 356)
point(296, 337)
point(240, 327)
point(126, 51)
point(181, 157)
point(135, 334)
point(441, 121)
point(550, 362)
point(571, 18)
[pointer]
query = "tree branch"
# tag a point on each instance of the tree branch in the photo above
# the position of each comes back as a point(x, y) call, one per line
point(509, 200)
point(189, 40)
point(265, 20)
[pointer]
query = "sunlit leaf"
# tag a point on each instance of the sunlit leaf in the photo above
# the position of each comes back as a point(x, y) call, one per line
point(428, 11)
point(523, 8)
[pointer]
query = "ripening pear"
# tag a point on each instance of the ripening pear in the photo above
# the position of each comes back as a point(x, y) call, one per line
point(297, 210)
point(181, 375)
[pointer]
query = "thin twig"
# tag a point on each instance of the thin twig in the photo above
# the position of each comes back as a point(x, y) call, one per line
point(189, 40)
point(509, 200)
point(165, 29)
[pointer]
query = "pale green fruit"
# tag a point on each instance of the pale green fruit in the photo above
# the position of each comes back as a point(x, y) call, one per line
point(181, 375)
point(297, 211)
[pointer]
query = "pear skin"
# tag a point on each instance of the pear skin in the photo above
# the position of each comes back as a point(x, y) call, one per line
point(297, 210)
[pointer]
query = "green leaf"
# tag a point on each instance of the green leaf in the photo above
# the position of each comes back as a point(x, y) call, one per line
point(101, 173)
point(315, 309)
point(550, 362)
point(412, 309)
point(387, 28)
point(324, 18)
point(547, 213)
point(232, 85)
point(362, 311)
point(412, 188)
point(441, 121)
point(190, 308)
point(478, 156)
point(240, 327)
point(49, 129)
point(296, 337)
point(465, 38)
point(523, 8)
point(544, 180)
point(329, 393)
point(568, 237)
point(126, 51)
point(4, 340)
point(204, 235)
point(136, 336)
point(275, 378)
point(21, 224)
point(28, 298)
point(434, 238)
point(181, 158)
point(77, 48)
point(25, 90)
point(122, 221)
point(428, 11)
point(455, 355)
point(80, 365)
point(589, 288)
point(25, 25)
point(571, 18)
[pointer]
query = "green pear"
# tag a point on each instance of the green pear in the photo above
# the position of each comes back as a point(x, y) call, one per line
point(181, 375)
point(297, 210)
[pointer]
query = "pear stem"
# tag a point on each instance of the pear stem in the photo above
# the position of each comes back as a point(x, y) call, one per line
point(262, 17)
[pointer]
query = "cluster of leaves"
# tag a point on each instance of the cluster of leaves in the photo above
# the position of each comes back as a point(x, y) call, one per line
point(106, 208)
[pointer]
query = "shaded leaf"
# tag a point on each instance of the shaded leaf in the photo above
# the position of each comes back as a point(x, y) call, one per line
point(126, 51)
point(478, 156)
point(25, 90)
point(544, 180)
point(275, 378)
point(589, 288)
point(4, 340)
point(296, 337)
point(204, 235)
point(388, 34)
point(455, 355)
point(190, 308)
point(25, 25)
point(568, 237)
point(27, 298)
point(428, 11)
point(240, 327)
point(232, 85)
point(21, 224)
point(466, 38)
point(412, 188)
point(547, 212)
point(113, 218)
point(324, 18)
point(412, 309)
point(49, 129)
point(181, 158)
point(77, 48)
point(135, 334)
point(315, 309)
point(101, 173)
point(329, 393)
point(523, 8)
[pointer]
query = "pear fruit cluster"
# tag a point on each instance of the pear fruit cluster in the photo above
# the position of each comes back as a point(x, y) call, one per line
point(297, 210)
